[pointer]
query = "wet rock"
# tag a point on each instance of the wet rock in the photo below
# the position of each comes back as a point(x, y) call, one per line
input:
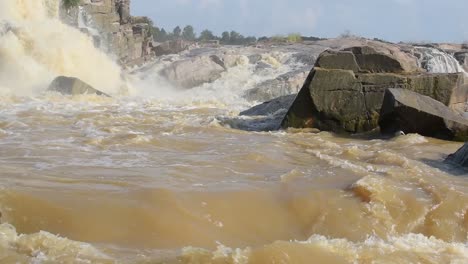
point(264, 117)
point(345, 90)
point(286, 84)
point(460, 157)
point(72, 86)
point(306, 58)
point(193, 72)
point(411, 112)
point(462, 58)
point(253, 59)
point(271, 107)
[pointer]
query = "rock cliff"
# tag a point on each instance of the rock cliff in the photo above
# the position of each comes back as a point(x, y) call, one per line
point(113, 28)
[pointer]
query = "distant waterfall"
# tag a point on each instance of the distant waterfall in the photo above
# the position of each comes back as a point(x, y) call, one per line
point(437, 61)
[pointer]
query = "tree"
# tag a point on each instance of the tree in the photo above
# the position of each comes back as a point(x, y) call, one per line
point(156, 32)
point(294, 38)
point(162, 35)
point(226, 37)
point(70, 3)
point(235, 37)
point(207, 35)
point(188, 33)
point(250, 40)
point(176, 32)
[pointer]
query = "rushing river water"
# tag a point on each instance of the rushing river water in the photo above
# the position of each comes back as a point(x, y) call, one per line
point(157, 175)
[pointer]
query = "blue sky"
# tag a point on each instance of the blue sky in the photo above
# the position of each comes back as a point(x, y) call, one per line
point(394, 20)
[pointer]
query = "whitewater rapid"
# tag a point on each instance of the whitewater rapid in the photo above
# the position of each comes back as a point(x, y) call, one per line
point(158, 174)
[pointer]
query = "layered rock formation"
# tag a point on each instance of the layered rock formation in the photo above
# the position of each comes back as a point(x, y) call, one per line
point(345, 90)
point(410, 112)
point(113, 28)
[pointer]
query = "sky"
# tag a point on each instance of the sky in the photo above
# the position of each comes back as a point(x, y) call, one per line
point(393, 20)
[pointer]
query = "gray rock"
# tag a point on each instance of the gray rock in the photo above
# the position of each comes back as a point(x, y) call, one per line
point(193, 72)
point(286, 84)
point(271, 107)
point(460, 157)
point(171, 47)
point(410, 112)
point(72, 86)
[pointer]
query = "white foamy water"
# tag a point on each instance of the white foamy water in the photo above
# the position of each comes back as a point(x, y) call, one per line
point(437, 61)
point(35, 47)
point(154, 175)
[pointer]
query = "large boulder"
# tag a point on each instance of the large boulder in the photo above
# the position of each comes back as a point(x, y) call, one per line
point(410, 112)
point(72, 86)
point(286, 84)
point(194, 71)
point(171, 47)
point(345, 90)
point(460, 157)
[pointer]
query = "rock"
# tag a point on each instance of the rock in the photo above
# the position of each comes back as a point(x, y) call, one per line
point(193, 72)
point(263, 117)
point(171, 47)
point(343, 60)
point(123, 9)
point(253, 59)
point(411, 112)
point(286, 84)
point(72, 86)
point(462, 58)
point(271, 107)
point(126, 37)
point(460, 157)
point(343, 94)
point(306, 58)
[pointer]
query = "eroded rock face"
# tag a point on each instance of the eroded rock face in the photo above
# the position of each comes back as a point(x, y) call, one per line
point(194, 71)
point(345, 90)
point(127, 37)
point(410, 112)
point(72, 86)
point(460, 157)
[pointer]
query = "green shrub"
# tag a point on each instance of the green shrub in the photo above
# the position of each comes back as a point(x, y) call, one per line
point(294, 38)
point(70, 3)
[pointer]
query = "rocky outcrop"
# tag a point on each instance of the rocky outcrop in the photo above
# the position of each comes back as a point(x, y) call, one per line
point(410, 112)
point(113, 28)
point(286, 84)
point(460, 157)
point(72, 86)
point(194, 71)
point(345, 90)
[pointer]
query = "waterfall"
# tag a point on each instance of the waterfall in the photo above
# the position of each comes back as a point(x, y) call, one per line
point(437, 61)
point(86, 25)
point(35, 47)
